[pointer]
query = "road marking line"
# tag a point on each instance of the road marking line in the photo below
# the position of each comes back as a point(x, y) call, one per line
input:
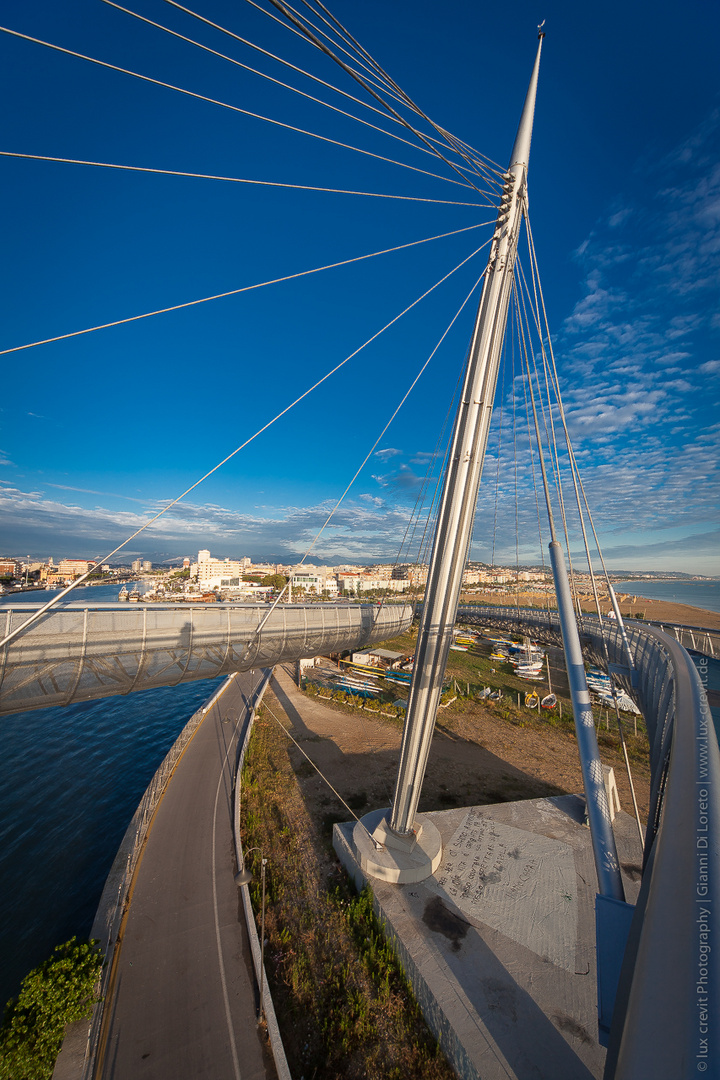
point(223, 980)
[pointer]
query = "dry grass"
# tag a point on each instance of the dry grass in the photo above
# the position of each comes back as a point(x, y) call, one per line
point(344, 1006)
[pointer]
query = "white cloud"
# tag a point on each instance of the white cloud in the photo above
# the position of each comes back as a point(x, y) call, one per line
point(364, 530)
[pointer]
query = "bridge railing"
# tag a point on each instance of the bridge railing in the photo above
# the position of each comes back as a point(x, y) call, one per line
point(666, 1022)
point(79, 652)
point(696, 638)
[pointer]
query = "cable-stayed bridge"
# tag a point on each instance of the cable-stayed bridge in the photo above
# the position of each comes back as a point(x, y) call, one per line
point(79, 653)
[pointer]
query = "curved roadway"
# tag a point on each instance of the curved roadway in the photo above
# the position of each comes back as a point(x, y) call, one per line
point(181, 1004)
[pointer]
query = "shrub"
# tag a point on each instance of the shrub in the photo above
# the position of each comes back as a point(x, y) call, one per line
point(58, 992)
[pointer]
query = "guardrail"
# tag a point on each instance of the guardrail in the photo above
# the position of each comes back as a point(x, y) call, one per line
point(696, 638)
point(276, 1044)
point(666, 1022)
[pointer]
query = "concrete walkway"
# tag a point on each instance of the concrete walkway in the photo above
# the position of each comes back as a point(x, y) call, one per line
point(181, 1004)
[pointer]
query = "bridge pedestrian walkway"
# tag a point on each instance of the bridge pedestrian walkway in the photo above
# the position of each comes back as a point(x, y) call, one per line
point(181, 1001)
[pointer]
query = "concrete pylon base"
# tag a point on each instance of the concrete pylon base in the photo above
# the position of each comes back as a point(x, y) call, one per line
point(388, 856)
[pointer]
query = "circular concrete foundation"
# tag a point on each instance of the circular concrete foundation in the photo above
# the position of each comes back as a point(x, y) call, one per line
point(384, 854)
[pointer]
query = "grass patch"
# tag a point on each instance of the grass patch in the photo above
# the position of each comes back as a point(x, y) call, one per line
point(344, 1006)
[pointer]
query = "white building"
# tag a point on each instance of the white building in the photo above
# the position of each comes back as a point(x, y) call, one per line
point(208, 570)
point(312, 581)
point(354, 584)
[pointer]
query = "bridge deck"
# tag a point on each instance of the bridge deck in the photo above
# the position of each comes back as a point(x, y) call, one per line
point(78, 652)
point(182, 999)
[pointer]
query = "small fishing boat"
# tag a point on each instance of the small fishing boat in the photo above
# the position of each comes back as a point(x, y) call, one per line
point(626, 703)
point(403, 677)
point(529, 671)
point(496, 695)
point(548, 702)
point(532, 700)
point(459, 648)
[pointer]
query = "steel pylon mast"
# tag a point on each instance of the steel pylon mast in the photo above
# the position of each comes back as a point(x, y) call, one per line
point(462, 480)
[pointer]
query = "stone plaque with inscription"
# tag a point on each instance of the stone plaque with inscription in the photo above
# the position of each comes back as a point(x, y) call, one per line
point(517, 882)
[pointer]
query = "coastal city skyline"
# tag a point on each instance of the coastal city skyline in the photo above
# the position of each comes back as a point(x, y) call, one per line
point(104, 429)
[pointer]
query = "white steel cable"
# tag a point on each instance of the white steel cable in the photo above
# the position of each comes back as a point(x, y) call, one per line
point(236, 292)
point(494, 172)
point(552, 449)
point(51, 603)
point(369, 454)
point(320, 773)
point(345, 37)
point(238, 179)
point(558, 395)
point(292, 29)
point(414, 519)
point(273, 56)
point(232, 108)
point(538, 439)
point(534, 480)
point(263, 75)
point(406, 395)
point(358, 78)
point(500, 434)
point(456, 144)
point(577, 480)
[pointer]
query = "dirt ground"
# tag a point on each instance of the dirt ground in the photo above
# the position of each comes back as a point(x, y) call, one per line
point(475, 758)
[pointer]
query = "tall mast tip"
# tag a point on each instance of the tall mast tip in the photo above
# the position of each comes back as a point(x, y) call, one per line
point(541, 32)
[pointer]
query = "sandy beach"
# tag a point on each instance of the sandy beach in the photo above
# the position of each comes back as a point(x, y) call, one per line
point(657, 611)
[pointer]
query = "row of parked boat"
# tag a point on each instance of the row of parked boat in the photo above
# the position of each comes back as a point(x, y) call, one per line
point(526, 657)
point(601, 685)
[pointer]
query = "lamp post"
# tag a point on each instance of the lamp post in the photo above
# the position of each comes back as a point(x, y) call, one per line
point(244, 877)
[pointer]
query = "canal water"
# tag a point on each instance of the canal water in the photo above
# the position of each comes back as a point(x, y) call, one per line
point(71, 779)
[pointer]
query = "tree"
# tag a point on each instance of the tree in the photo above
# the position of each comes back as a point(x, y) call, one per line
point(57, 993)
point(274, 581)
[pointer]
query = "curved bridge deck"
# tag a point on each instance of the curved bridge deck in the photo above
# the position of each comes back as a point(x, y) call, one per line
point(79, 652)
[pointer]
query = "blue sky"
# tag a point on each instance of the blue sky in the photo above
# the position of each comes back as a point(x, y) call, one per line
point(624, 196)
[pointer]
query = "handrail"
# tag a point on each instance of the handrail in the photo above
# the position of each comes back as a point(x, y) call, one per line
point(666, 1022)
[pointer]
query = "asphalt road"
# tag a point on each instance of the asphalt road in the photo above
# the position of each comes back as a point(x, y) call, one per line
point(182, 1004)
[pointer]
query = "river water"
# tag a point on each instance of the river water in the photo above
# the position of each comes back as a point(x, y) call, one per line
point(71, 780)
